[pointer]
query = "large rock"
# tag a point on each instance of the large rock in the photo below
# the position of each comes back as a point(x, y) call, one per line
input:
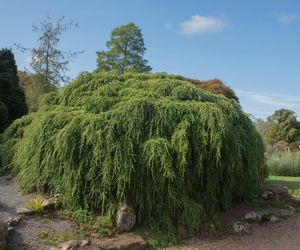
point(126, 218)
point(251, 217)
point(268, 213)
point(3, 234)
point(275, 192)
point(242, 227)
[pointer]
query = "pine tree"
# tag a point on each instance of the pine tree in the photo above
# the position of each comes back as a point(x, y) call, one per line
point(126, 50)
point(12, 97)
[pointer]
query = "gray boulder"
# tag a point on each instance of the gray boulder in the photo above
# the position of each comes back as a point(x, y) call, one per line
point(274, 192)
point(251, 217)
point(126, 218)
point(242, 227)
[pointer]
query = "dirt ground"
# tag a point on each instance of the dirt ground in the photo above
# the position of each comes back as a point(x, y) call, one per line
point(284, 235)
point(25, 234)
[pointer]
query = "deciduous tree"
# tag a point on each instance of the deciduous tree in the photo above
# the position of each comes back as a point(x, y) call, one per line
point(47, 59)
point(34, 86)
point(284, 126)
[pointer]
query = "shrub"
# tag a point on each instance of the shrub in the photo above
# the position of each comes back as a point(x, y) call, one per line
point(175, 152)
point(284, 163)
point(36, 204)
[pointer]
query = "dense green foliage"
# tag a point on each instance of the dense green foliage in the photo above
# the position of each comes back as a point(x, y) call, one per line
point(283, 163)
point(175, 152)
point(34, 86)
point(12, 98)
point(126, 50)
point(284, 126)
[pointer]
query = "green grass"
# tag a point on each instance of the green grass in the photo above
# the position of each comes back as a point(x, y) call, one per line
point(56, 238)
point(101, 226)
point(282, 163)
point(293, 183)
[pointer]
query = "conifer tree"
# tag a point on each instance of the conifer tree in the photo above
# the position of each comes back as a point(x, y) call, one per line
point(126, 50)
point(12, 98)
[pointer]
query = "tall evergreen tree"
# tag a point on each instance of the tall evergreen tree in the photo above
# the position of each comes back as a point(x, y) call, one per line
point(3, 117)
point(126, 50)
point(12, 98)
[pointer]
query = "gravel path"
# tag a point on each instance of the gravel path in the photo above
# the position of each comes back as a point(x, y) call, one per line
point(282, 236)
point(24, 235)
point(267, 236)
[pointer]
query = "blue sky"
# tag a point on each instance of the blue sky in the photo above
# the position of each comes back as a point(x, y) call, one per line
point(252, 45)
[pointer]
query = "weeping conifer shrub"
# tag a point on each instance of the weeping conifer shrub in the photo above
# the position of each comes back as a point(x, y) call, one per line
point(175, 152)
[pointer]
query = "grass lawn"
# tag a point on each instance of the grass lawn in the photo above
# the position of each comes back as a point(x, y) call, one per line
point(293, 183)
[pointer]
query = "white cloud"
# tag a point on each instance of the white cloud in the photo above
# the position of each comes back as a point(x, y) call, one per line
point(267, 100)
point(287, 101)
point(287, 18)
point(202, 24)
point(263, 105)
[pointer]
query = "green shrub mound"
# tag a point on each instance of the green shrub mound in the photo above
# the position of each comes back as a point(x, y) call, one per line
point(175, 152)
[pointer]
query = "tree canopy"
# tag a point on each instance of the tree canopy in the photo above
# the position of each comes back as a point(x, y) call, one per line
point(215, 86)
point(284, 126)
point(126, 50)
point(12, 98)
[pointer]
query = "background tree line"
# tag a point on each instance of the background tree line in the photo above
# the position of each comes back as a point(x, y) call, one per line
point(280, 130)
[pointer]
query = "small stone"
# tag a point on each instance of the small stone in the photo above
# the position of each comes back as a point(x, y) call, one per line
point(84, 243)
point(69, 245)
point(251, 217)
point(242, 227)
point(125, 218)
point(274, 219)
point(13, 221)
point(10, 229)
point(25, 211)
